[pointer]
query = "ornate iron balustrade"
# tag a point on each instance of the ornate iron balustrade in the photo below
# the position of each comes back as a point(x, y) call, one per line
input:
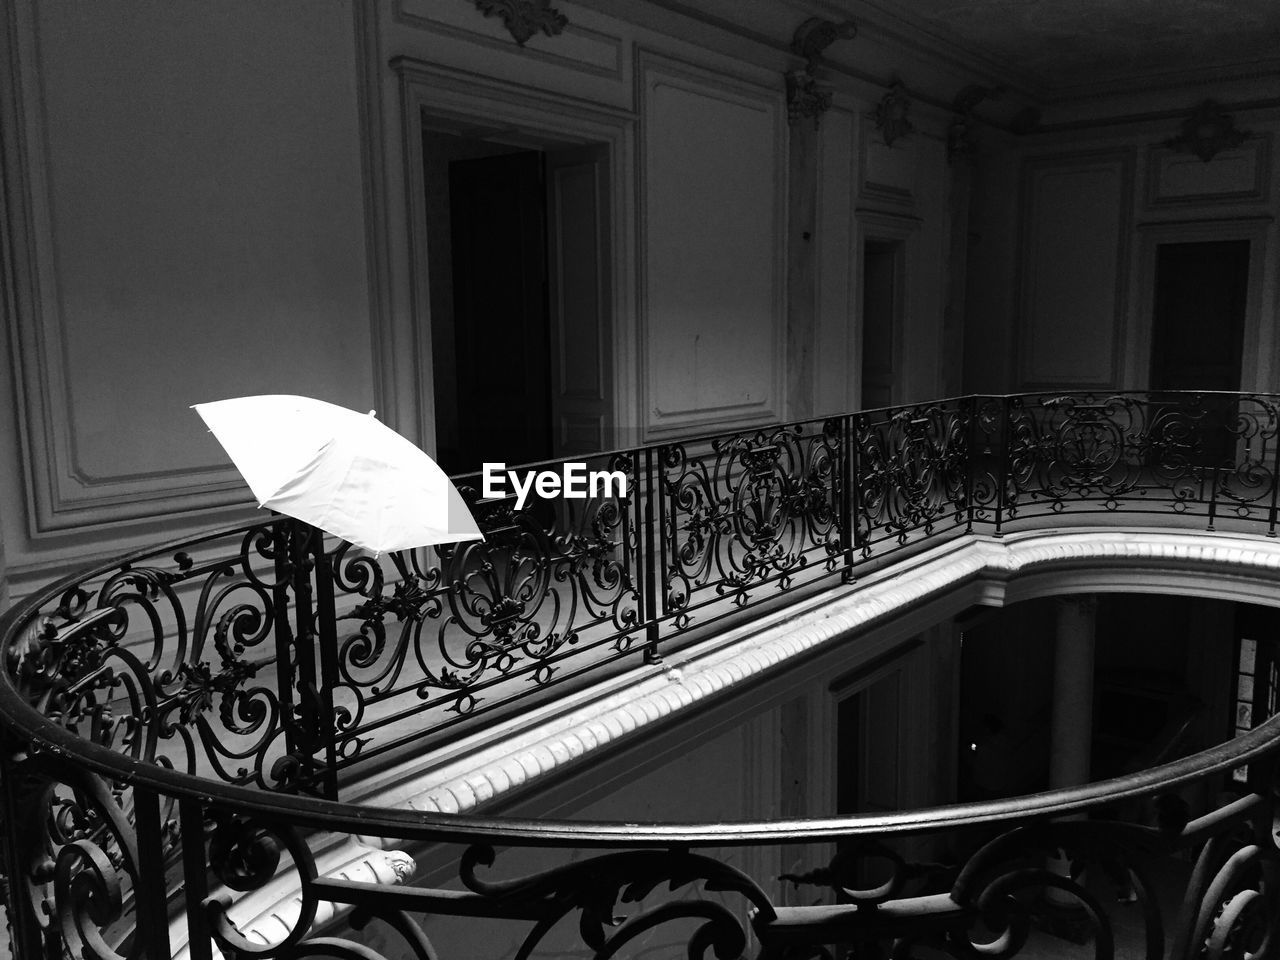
point(144, 696)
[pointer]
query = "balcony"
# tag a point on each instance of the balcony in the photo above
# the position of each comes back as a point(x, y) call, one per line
point(213, 722)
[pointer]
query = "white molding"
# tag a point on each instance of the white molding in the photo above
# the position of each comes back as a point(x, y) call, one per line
point(373, 168)
point(267, 915)
point(971, 569)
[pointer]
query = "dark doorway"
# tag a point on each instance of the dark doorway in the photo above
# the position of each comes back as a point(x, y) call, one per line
point(517, 260)
point(881, 285)
point(1198, 332)
point(502, 339)
point(1198, 323)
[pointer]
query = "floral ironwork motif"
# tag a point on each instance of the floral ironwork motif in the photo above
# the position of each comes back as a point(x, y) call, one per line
point(123, 661)
point(488, 618)
point(912, 469)
point(756, 511)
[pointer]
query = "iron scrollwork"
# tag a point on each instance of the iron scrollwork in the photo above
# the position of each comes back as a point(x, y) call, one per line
point(758, 510)
point(123, 663)
point(912, 472)
point(265, 657)
point(450, 626)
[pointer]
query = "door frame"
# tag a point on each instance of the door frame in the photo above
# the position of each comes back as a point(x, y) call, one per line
point(1256, 370)
point(903, 231)
point(543, 120)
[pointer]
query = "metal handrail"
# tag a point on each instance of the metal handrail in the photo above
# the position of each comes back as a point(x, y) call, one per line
point(21, 720)
point(855, 489)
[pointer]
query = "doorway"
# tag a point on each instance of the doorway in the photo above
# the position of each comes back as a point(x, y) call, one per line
point(1201, 290)
point(1197, 341)
point(502, 338)
point(520, 327)
point(882, 268)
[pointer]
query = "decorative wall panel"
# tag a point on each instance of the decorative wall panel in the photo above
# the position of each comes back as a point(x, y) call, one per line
point(888, 172)
point(1238, 175)
point(713, 248)
point(165, 262)
point(1072, 272)
point(581, 320)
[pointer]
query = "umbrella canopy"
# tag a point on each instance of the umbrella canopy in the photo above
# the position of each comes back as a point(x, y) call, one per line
point(339, 470)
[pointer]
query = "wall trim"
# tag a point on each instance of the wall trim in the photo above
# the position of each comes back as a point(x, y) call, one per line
point(372, 126)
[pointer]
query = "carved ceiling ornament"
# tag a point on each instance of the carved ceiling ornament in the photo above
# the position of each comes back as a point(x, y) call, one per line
point(1207, 132)
point(960, 139)
point(806, 97)
point(891, 113)
point(524, 18)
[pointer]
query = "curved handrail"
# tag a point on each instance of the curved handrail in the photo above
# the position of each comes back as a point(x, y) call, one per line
point(23, 721)
point(94, 833)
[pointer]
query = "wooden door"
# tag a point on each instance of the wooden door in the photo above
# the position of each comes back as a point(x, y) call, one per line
point(579, 288)
point(882, 264)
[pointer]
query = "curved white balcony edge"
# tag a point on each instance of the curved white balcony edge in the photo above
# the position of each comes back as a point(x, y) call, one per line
point(972, 569)
point(997, 571)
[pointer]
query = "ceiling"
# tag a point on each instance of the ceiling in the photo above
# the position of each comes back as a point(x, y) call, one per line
point(1063, 44)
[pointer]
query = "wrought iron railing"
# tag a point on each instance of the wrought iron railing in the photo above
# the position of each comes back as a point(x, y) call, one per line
point(143, 696)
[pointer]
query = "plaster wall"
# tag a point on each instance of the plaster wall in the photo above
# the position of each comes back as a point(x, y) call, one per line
point(210, 201)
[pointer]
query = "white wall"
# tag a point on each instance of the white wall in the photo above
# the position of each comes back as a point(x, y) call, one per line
point(214, 200)
point(187, 224)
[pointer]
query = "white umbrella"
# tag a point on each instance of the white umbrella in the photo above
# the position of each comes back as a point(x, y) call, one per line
point(339, 470)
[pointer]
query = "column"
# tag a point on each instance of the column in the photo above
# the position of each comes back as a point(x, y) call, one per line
point(807, 101)
point(1071, 730)
point(802, 274)
point(4, 579)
